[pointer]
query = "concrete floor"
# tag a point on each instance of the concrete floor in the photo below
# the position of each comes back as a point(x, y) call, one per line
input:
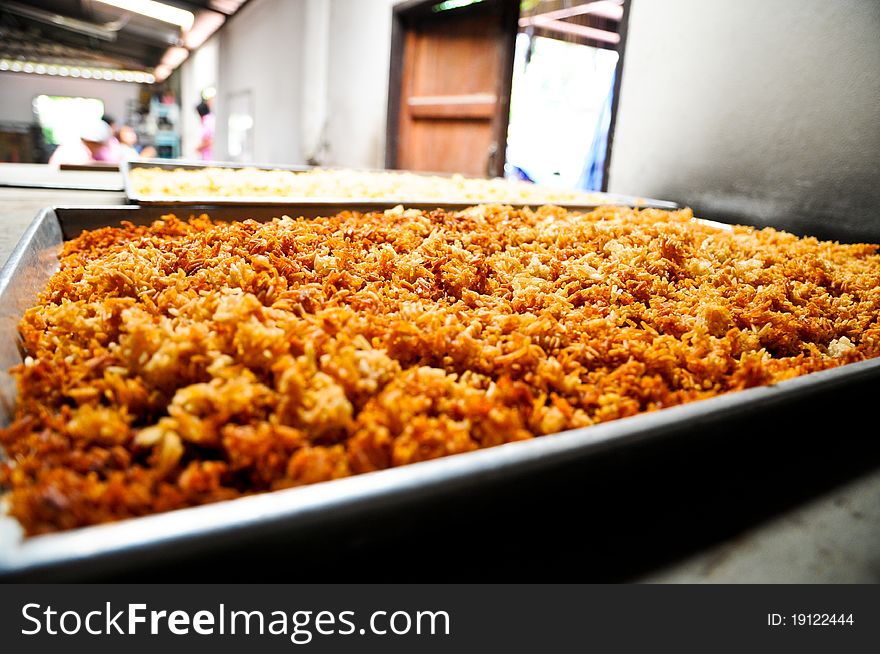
point(832, 539)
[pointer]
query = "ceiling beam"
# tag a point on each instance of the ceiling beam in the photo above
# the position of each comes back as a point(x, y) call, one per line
point(601, 8)
point(559, 26)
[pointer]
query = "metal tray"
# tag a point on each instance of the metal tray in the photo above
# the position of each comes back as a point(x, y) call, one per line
point(164, 164)
point(200, 529)
point(44, 177)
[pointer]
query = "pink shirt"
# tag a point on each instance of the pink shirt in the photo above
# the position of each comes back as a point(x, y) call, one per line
point(111, 152)
point(207, 138)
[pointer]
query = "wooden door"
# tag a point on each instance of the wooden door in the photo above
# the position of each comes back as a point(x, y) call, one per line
point(449, 99)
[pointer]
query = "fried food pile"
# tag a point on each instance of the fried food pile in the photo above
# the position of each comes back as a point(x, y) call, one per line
point(194, 361)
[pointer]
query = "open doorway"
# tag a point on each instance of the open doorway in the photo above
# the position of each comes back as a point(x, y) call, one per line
point(449, 86)
point(519, 88)
point(563, 91)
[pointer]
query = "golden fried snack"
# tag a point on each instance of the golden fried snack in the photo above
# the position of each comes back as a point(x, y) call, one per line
point(191, 362)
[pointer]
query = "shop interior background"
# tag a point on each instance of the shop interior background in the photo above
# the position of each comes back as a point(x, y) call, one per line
point(747, 110)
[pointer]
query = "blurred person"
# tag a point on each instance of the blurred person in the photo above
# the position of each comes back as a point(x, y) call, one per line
point(127, 138)
point(93, 137)
point(111, 152)
point(205, 148)
point(148, 152)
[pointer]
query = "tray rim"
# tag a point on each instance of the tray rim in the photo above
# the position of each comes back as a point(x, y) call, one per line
point(307, 505)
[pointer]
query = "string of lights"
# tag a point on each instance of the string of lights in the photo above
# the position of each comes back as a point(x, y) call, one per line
point(83, 72)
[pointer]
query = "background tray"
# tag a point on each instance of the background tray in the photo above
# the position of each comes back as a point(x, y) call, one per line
point(164, 164)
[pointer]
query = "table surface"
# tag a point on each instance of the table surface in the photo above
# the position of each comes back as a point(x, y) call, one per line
point(832, 537)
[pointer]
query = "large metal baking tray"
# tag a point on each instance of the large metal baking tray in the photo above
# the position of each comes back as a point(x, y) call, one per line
point(186, 531)
point(164, 164)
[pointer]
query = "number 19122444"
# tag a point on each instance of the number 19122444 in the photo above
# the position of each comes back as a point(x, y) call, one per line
point(810, 619)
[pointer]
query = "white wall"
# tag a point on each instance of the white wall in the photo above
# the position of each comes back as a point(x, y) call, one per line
point(765, 111)
point(198, 72)
point(260, 52)
point(317, 71)
point(360, 51)
point(18, 90)
point(314, 64)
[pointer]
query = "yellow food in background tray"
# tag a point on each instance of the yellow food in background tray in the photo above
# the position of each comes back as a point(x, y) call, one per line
point(346, 184)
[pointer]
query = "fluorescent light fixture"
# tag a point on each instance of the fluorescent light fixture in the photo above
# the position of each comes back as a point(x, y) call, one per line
point(41, 68)
point(206, 24)
point(174, 56)
point(162, 72)
point(158, 10)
